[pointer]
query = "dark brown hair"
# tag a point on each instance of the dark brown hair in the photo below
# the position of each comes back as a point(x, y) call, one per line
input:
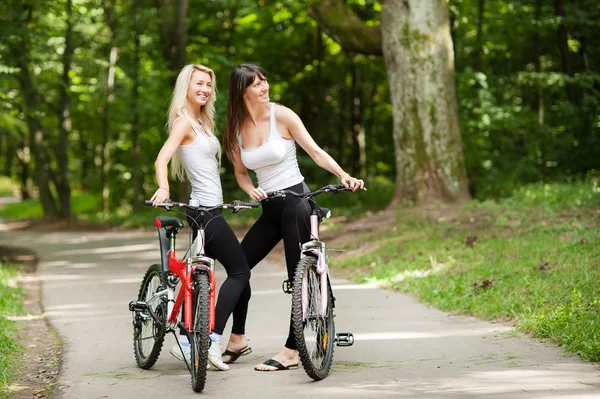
point(241, 77)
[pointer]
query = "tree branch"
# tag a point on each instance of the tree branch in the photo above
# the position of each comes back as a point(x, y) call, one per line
point(345, 27)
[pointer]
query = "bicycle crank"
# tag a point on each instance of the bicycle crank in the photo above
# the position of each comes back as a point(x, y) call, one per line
point(344, 339)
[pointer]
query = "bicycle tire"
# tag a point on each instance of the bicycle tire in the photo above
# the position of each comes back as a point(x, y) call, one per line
point(148, 334)
point(316, 352)
point(199, 339)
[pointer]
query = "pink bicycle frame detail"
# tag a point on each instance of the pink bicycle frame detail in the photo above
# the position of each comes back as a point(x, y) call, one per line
point(321, 269)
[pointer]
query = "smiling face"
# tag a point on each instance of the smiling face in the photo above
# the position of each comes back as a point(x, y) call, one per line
point(258, 91)
point(200, 88)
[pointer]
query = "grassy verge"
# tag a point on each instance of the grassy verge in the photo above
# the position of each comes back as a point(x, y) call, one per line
point(532, 259)
point(10, 304)
point(88, 208)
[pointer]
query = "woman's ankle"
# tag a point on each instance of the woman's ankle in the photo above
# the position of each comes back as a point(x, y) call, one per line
point(237, 338)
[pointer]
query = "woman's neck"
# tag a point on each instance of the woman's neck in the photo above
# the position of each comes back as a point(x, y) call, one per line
point(255, 112)
point(192, 112)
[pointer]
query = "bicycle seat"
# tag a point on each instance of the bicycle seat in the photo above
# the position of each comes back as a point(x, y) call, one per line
point(168, 221)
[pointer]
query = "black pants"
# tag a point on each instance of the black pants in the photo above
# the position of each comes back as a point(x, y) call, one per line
point(282, 218)
point(222, 244)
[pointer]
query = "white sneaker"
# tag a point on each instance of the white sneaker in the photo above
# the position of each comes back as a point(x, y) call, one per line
point(185, 346)
point(214, 356)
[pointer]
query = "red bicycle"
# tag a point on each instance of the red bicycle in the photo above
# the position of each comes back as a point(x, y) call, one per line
point(156, 310)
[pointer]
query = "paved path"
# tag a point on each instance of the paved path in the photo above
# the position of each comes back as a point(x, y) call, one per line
point(403, 349)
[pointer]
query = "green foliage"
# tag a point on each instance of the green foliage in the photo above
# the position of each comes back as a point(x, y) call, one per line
point(524, 117)
point(10, 304)
point(518, 259)
point(7, 187)
point(520, 125)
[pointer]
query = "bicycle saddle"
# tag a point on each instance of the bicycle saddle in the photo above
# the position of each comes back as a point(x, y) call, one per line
point(168, 221)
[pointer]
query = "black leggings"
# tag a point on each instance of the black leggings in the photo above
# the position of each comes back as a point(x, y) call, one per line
point(222, 245)
point(287, 218)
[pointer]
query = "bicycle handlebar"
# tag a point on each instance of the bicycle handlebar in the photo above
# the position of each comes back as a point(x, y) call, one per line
point(330, 188)
point(235, 205)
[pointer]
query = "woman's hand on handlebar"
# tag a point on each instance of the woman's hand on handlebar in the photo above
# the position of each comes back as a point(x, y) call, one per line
point(160, 196)
point(352, 183)
point(257, 194)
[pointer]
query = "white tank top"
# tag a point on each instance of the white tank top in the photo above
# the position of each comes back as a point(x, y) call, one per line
point(201, 165)
point(275, 161)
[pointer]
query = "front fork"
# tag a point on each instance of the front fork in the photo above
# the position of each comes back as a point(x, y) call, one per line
point(204, 264)
point(316, 249)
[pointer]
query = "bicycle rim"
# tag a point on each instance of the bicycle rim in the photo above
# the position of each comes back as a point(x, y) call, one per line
point(313, 330)
point(148, 334)
point(199, 340)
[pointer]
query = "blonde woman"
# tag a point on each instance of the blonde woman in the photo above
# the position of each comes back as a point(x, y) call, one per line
point(195, 152)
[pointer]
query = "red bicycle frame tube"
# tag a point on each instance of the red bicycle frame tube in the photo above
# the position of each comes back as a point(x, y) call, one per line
point(185, 293)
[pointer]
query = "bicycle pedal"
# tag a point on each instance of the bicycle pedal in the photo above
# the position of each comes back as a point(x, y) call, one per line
point(138, 306)
point(286, 286)
point(344, 339)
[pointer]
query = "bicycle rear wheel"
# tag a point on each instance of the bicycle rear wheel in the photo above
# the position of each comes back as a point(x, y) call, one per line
point(314, 331)
point(148, 333)
point(199, 340)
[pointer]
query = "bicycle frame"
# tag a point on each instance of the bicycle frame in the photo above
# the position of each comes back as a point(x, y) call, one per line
point(185, 270)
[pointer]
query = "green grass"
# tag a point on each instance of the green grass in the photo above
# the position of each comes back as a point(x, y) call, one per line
point(532, 258)
point(10, 304)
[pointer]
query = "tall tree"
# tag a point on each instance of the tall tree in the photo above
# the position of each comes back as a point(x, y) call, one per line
point(135, 109)
point(563, 45)
point(64, 118)
point(414, 38)
point(174, 40)
point(111, 17)
point(20, 53)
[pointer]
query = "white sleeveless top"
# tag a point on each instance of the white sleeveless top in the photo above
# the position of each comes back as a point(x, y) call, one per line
point(275, 161)
point(201, 165)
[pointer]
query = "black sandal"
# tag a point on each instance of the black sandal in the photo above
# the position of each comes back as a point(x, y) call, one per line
point(278, 366)
point(233, 356)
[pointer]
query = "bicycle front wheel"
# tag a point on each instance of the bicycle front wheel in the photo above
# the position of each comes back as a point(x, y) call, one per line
point(199, 339)
point(149, 333)
point(314, 330)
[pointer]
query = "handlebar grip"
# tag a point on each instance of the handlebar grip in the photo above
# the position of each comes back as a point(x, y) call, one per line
point(247, 204)
point(148, 202)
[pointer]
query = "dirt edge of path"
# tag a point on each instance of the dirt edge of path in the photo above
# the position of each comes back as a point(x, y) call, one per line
point(41, 359)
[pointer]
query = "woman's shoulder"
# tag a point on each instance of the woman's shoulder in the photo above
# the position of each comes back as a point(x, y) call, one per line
point(181, 127)
point(181, 122)
point(284, 113)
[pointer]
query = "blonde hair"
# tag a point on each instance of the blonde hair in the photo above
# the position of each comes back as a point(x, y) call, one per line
point(206, 119)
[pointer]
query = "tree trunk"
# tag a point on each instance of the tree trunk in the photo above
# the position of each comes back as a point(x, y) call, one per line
point(538, 61)
point(565, 56)
point(87, 158)
point(64, 118)
point(419, 59)
point(135, 114)
point(173, 37)
point(173, 34)
point(7, 152)
point(357, 158)
point(20, 54)
point(479, 39)
point(111, 20)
